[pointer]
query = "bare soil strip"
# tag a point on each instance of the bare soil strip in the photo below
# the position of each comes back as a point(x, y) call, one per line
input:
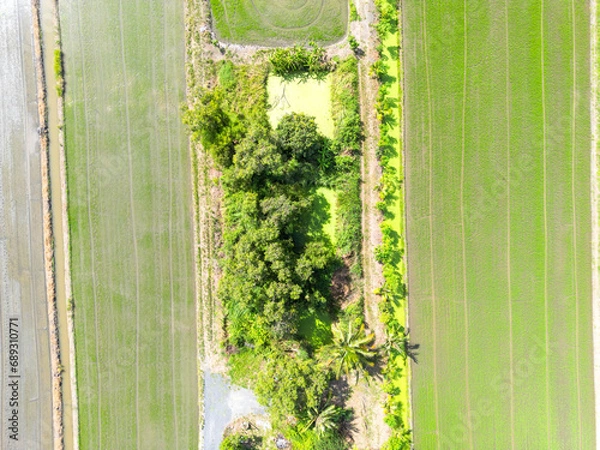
point(57, 401)
point(50, 39)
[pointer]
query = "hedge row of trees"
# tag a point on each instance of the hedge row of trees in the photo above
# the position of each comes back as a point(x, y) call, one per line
point(398, 347)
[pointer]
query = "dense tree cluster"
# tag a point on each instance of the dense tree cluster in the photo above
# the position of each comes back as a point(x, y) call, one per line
point(275, 264)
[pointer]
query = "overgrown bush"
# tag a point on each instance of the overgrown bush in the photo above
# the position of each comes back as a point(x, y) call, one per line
point(239, 441)
point(298, 60)
point(310, 440)
point(348, 137)
point(290, 384)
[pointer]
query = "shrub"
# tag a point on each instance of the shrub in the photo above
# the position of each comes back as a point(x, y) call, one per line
point(233, 442)
point(354, 16)
point(287, 62)
point(290, 385)
point(240, 442)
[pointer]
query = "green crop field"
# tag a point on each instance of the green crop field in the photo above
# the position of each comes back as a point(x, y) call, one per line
point(129, 187)
point(280, 22)
point(498, 210)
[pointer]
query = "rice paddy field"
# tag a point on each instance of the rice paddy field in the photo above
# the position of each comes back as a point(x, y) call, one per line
point(499, 223)
point(26, 411)
point(279, 22)
point(129, 184)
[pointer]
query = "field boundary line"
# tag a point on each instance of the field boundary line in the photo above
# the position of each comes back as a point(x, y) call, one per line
point(48, 238)
point(404, 218)
point(508, 234)
point(193, 20)
point(431, 258)
point(574, 218)
point(133, 231)
point(595, 199)
point(462, 223)
point(545, 209)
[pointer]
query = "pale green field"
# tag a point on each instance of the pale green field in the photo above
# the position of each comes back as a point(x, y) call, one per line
point(498, 179)
point(129, 187)
point(280, 22)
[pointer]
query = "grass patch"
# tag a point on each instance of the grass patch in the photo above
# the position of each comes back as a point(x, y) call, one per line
point(330, 197)
point(279, 22)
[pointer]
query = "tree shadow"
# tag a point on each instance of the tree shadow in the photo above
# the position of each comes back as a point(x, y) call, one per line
point(385, 78)
point(394, 50)
point(303, 76)
point(320, 215)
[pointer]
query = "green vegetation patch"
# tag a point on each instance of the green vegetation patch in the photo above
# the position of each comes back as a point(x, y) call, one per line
point(316, 328)
point(308, 96)
point(280, 22)
point(278, 261)
point(498, 173)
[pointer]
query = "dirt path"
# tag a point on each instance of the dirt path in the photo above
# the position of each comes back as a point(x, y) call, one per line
point(206, 196)
point(367, 399)
point(371, 171)
point(50, 32)
point(48, 232)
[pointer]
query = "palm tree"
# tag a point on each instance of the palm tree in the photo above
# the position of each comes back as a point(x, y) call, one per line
point(399, 341)
point(350, 351)
point(323, 419)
